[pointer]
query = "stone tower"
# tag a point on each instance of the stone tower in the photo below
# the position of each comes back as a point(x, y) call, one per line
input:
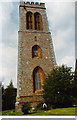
point(35, 53)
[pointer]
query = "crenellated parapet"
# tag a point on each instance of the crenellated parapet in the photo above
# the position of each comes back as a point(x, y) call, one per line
point(32, 4)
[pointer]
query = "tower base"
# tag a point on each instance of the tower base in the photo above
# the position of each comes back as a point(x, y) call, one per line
point(33, 100)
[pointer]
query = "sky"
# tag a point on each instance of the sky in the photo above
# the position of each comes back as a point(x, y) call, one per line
point(61, 21)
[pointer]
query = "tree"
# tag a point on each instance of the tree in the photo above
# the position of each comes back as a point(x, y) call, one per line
point(58, 87)
point(2, 89)
point(1, 96)
point(75, 84)
point(9, 97)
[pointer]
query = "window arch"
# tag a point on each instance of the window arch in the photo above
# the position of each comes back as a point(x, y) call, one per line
point(29, 18)
point(38, 79)
point(37, 19)
point(36, 51)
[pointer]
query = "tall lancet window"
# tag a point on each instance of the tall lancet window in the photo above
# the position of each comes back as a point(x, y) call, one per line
point(38, 78)
point(37, 19)
point(29, 17)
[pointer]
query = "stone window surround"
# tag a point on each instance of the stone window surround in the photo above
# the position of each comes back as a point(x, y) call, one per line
point(35, 23)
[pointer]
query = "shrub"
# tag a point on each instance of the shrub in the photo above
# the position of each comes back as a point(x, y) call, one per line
point(39, 106)
point(26, 107)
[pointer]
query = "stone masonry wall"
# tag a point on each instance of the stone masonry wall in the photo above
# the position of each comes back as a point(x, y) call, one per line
point(26, 64)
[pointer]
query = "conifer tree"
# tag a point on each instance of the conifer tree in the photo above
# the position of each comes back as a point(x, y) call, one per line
point(58, 87)
point(9, 97)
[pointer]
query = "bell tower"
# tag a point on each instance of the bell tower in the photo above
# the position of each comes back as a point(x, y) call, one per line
point(35, 53)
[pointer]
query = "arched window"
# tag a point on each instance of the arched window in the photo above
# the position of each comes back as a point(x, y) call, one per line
point(29, 21)
point(38, 78)
point(36, 51)
point(37, 19)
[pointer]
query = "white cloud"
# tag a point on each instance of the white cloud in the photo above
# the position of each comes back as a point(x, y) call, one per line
point(8, 45)
point(5, 11)
point(68, 60)
point(60, 14)
point(63, 39)
point(61, 18)
point(9, 61)
point(9, 1)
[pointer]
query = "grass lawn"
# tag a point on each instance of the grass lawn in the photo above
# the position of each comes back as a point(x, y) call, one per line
point(52, 112)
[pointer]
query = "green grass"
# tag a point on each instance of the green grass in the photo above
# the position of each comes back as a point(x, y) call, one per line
point(11, 112)
point(52, 112)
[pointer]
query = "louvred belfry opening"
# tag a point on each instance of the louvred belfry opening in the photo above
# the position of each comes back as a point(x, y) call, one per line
point(29, 17)
point(38, 24)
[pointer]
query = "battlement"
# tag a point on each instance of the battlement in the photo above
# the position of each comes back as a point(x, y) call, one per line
point(32, 4)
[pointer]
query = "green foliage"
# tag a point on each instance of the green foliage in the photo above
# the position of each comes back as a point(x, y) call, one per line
point(26, 107)
point(58, 87)
point(75, 84)
point(39, 107)
point(2, 89)
point(0, 96)
point(9, 97)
